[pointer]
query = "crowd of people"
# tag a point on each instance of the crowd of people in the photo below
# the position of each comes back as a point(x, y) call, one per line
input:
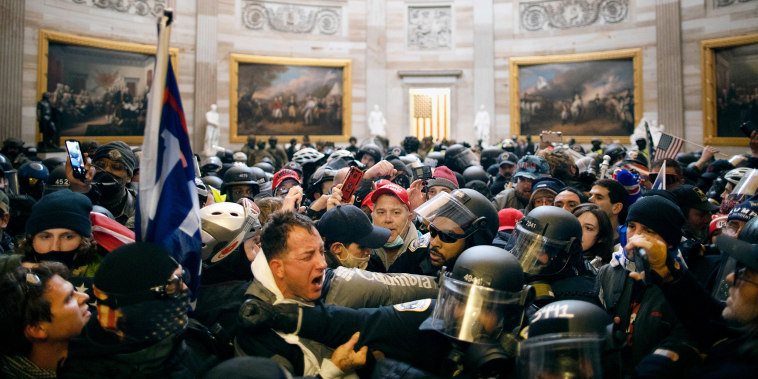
point(521, 259)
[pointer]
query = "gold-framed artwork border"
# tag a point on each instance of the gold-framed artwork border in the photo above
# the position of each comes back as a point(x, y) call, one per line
point(47, 36)
point(517, 62)
point(708, 72)
point(346, 64)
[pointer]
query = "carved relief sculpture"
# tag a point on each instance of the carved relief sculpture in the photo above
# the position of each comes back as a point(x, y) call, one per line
point(291, 18)
point(137, 7)
point(430, 28)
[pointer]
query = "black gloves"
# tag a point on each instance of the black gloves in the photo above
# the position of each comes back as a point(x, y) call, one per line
point(256, 313)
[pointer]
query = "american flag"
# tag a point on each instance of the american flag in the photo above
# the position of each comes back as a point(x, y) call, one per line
point(167, 205)
point(668, 147)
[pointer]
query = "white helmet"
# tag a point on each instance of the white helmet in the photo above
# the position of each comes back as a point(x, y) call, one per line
point(225, 226)
point(735, 175)
point(307, 155)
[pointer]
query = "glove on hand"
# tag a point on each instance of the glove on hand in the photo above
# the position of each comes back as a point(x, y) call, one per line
point(256, 313)
point(657, 254)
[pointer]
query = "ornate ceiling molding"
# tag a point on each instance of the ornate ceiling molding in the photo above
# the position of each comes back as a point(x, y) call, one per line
point(152, 8)
point(568, 14)
point(291, 18)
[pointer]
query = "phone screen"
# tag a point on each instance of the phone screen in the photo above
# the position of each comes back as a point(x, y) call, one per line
point(75, 152)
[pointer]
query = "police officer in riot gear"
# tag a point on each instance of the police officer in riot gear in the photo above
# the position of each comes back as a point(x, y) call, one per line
point(241, 182)
point(468, 331)
point(548, 244)
point(456, 221)
point(569, 339)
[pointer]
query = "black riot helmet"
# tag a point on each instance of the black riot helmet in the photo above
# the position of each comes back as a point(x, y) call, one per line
point(475, 173)
point(467, 208)
point(459, 157)
point(545, 241)
point(265, 166)
point(213, 181)
point(53, 162)
point(738, 253)
point(616, 151)
point(57, 180)
point(32, 177)
point(486, 281)
point(241, 175)
point(568, 339)
point(490, 155)
point(372, 150)
point(434, 159)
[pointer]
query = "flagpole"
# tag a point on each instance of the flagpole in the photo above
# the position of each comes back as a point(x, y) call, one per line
point(148, 161)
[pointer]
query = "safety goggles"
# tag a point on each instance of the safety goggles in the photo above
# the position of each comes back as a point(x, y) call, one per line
point(444, 236)
point(670, 178)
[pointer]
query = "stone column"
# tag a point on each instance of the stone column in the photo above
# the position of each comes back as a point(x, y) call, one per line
point(484, 62)
point(669, 53)
point(11, 67)
point(206, 61)
point(376, 57)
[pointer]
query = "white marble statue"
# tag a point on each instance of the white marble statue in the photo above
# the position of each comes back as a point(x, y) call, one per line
point(377, 122)
point(211, 132)
point(482, 126)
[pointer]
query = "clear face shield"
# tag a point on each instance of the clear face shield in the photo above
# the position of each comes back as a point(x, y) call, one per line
point(474, 313)
point(536, 253)
point(742, 191)
point(446, 206)
point(561, 356)
point(467, 158)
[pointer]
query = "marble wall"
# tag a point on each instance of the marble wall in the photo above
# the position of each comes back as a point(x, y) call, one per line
point(398, 44)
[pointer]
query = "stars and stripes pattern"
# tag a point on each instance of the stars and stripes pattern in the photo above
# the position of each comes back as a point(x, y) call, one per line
point(668, 147)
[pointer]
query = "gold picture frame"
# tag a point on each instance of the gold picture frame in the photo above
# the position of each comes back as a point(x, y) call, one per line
point(721, 62)
point(97, 86)
point(548, 88)
point(289, 98)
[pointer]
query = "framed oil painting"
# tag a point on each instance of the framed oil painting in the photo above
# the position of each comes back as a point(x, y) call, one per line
point(582, 95)
point(289, 97)
point(730, 88)
point(97, 88)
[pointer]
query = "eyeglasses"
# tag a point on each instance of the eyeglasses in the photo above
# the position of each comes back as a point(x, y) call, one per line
point(739, 275)
point(670, 178)
point(446, 237)
point(172, 289)
point(103, 165)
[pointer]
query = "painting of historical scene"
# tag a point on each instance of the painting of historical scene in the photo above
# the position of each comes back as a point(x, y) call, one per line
point(736, 88)
point(97, 88)
point(98, 92)
point(290, 99)
point(592, 98)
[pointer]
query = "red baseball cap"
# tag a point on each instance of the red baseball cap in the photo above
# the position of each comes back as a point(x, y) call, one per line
point(392, 189)
point(283, 174)
point(717, 222)
point(508, 218)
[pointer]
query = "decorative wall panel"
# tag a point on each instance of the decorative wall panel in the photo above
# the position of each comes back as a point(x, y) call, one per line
point(567, 14)
point(151, 8)
point(291, 18)
point(726, 3)
point(430, 28)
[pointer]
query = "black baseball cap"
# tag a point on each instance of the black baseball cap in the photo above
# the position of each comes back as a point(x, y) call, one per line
point(716, 168)
point(689, 196)
point(743, 251)
point(348, 223)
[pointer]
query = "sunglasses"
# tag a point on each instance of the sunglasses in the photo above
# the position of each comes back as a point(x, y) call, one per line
point(670, 178)
point(445, 237)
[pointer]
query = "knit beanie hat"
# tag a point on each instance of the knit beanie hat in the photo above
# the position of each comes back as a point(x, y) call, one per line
point(443, 176)
point(659, 214)
point(134, 268)
point(117, 151)
point(61, 209)
point(744, 211)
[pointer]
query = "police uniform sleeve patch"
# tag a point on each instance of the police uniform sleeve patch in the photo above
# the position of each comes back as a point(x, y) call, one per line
point(422, 241)
point(414, 306)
